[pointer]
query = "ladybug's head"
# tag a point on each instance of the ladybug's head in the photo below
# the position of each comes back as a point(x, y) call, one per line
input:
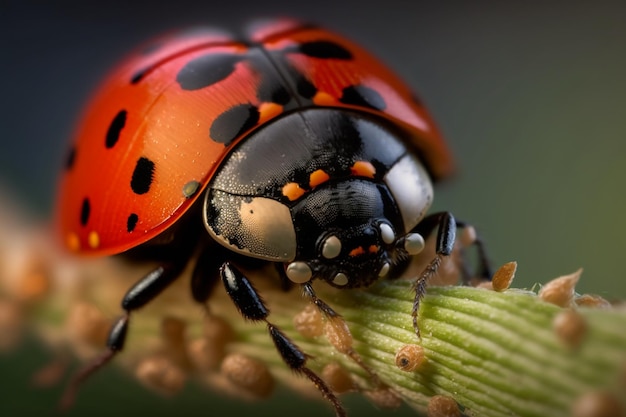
point(349, 234)
point(332, 195)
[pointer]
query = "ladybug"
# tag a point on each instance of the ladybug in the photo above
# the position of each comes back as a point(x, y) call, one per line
point(289, 145)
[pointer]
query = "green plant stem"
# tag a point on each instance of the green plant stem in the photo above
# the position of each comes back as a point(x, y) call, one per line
point(495, 353)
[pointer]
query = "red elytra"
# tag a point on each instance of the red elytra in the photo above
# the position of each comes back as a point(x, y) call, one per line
point(157, 129)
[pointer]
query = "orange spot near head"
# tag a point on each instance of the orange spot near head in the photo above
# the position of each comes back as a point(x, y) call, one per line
point(293, 191)
point(363, 169)
point(373, 249)
point(269, 110)
point(73, 242)
point(93, 239)
point(357, 251)
point(324, 99)
point(318, 177)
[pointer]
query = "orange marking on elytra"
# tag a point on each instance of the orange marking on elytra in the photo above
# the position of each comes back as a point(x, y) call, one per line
point(373, 249)
point(318, 177)
point(324, 99)
point(73, 242)
point(363, 169)
point(93, 239)
point(269, 110)
point(293, 191)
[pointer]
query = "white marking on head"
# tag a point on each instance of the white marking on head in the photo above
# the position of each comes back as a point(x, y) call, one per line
point(340, 279)
point(384, 270)
point(299, 272)
point(412, 189)
point(331, 247)
point(386, 233)
point(413, 243)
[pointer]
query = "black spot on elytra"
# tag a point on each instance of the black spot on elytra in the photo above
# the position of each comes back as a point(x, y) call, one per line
point(206, 70)
point(85, 210)
point(131, 222)
point(361, 95)
point(271, 90)
point(233, 122)
point(113, 134)
point(142, 176)
point(139, 75)
point(71, 158)
point(305, 87)
point(324, 50)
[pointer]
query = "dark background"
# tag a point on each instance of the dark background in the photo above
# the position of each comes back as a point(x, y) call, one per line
point(530, 96)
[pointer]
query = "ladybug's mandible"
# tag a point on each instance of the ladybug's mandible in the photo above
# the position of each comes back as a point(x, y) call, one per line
point(293, 146)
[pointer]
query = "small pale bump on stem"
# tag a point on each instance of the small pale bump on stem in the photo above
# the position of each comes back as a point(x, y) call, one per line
point(410, 357)
point(248, 374)
point(597, 404)
point(592, 301)
point(87, 325)
point(309, 322)
point(173, 330)
point(175, 342)
point(25, 273)
point(570, 327)
point(11, 323)
point(560, 291)
point(443, 406)
point(217, 330)
point(204, 355)
point(206, 352)
point(485, 285)
point(161, 374)
point(503, 277)
point(384, 398)
point(33, 287)
point(338, 378)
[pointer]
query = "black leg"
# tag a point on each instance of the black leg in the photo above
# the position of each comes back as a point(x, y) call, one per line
point(484, 270)
point(205, 275)
point(446, 235)
point(251, 306)
point(428, 225)
point(139, 295)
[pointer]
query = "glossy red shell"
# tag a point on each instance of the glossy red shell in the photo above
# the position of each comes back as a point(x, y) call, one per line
point(99, 211)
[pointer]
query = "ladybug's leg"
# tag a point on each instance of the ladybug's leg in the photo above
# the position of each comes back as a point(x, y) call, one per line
point(343, 341)
point(139, 295)
point(484, 270)
point(446, 235)
point(205, 276)
point(252, 307)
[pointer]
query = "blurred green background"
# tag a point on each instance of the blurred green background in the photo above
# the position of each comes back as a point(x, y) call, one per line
point(531, 97)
